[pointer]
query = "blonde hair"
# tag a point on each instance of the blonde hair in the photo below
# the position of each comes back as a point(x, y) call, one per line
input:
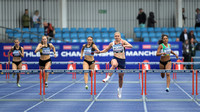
point(118, 33)
point(16, 39)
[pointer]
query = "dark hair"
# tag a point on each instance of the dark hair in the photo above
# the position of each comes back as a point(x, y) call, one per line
point(26, 9)
point(92, 39)
point(161, 40)
point(151, 14)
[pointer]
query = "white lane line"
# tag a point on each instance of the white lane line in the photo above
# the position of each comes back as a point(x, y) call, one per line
point(50, 97)
point(186, 93)
point(24, 89)
point(17, 91)
point(1, 84)
point(143, 97)
point(98, 94)
point(63, 89)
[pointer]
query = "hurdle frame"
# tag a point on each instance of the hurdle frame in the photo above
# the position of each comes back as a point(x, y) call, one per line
point(169, 71)
point(197, 82)
point(68, 71)
point(25, 71)
point(117, 71)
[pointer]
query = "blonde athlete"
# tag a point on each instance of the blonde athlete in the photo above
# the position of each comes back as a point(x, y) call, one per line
point(89, 62)
point(17, 52)
point(118, 60)
point(164, 50)
point(45, 60)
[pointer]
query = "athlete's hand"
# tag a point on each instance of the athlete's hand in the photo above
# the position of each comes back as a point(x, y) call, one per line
point(8, 63)
point(164, 53)
point(97, 52)
point(81, 57)
point(124, 46)
point(177, 56)
point(55, 55)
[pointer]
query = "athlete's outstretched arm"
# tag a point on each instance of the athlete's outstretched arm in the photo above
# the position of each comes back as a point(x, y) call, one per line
point(54, 49)
point(107, 48)
point(158, 51)
point(38, 48)
point(174, 53)
point(127, 45)
point(82, 49)
point(9, 54)
point(96, 48)
point(22, 53)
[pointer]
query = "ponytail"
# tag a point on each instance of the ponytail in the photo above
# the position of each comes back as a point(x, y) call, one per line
point(93, 42)
point(160, 41)
point(41, 42)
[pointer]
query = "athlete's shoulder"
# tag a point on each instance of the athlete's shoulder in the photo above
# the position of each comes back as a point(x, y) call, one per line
point(124, 41)
point(21, 47)
point(39, 44)
point(50, 44)
point(160, 46)
point(12, 48)
point(111, 43)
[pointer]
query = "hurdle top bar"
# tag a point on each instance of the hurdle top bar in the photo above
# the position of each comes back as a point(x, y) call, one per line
point(119, 71)
point(168, 71)
point(68, 71)
point(184, 63)
point(129, 63)
point(101, 63)
point(196, 57)
point(21, 71)
point(173, 57)
point(198, 70)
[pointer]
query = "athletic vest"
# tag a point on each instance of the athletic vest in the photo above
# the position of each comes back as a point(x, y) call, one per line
point(118, 48)
point(166, 50)
point(16, 52)
point(89, 51)
point(45, 50)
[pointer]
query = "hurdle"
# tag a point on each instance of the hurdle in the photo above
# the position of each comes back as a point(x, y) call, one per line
point(8, 73)
point(68, 71)
point(183, 63)
point(169, 71)
point(174, 73)
point(25, 71)
point(197, 82)
point(192, 60)
point(118, 71)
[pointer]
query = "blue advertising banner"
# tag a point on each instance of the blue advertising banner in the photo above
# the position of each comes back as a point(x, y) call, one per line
point(72, 51)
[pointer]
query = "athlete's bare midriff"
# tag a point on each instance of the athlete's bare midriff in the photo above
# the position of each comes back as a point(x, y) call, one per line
point(120, 55)
point(165, 58)
point(44, 57)
point(89, 58)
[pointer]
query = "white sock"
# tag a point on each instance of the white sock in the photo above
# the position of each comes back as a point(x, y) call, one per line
point(108, 77)
point(120, 89)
